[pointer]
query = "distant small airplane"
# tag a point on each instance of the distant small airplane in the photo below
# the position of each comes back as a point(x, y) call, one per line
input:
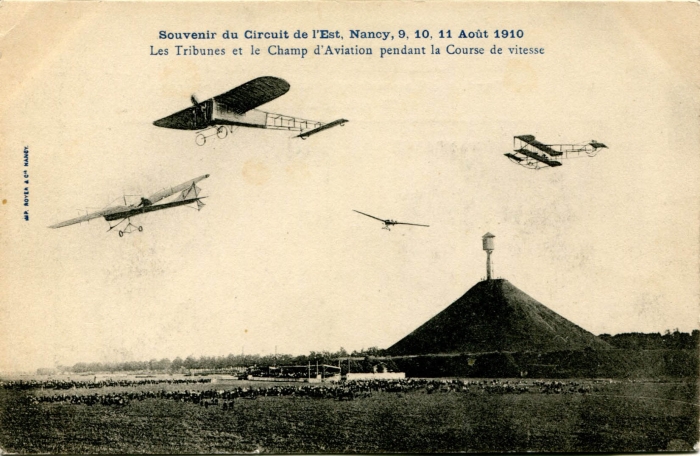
point(528, 152)
point(189, 194)
point(235, 108)
point(388, 222)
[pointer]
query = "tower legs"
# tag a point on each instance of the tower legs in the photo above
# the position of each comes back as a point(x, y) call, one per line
point(488, 265)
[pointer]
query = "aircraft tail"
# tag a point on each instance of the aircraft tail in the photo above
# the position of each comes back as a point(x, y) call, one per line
point(308, 133)
point(190, 192)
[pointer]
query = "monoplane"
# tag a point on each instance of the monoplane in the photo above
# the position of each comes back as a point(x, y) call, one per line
point(220, 115)
point(188, 194)
point(532, 154)
point(388, 222)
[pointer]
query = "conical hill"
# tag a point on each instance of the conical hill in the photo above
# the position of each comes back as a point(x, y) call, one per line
point(494, 316)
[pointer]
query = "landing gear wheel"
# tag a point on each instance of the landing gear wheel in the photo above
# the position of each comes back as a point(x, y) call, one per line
point(121, 234)
point(200, 139)
point(140, 228)
point(221, 132)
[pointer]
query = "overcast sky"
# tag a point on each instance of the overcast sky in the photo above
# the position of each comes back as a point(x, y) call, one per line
point(278, 258)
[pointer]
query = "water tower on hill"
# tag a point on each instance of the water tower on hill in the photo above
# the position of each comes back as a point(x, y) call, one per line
point(488, 246)
point(495, 316)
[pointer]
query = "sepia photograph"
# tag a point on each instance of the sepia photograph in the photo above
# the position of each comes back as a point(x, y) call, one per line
point(349, 227)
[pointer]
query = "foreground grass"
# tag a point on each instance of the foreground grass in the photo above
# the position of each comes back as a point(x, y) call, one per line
point(621, 417)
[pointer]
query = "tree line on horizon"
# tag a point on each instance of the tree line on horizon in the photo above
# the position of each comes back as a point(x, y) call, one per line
point(675, 340)
point(670, 340)
point(230, 361)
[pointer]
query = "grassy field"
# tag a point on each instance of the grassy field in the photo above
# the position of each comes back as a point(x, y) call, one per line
point(620, 416)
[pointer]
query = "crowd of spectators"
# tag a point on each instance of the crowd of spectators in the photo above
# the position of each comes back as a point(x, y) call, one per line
point(103, 383)
point(348, 390)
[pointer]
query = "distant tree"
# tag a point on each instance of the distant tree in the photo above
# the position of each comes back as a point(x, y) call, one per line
point(80, 368)
point(190, 363)
point(45, 371)
point(162, 365)
point(373, 351)
point(177, 364)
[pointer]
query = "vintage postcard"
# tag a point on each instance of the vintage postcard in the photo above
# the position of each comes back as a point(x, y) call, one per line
point(342, 227)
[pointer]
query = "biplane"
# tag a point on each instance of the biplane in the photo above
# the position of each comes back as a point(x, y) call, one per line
point(188, 194)
point(532, 154)
point(388, 223)
point(220, 115)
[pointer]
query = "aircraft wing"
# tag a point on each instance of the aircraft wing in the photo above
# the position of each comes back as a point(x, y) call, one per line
point(253, 94)
point(412, 224)
point(154, 198)
point(538, 145)
point(82, 218)
point(376, 218)
point(514, 157)
point(145, 209)
point(539, 158)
